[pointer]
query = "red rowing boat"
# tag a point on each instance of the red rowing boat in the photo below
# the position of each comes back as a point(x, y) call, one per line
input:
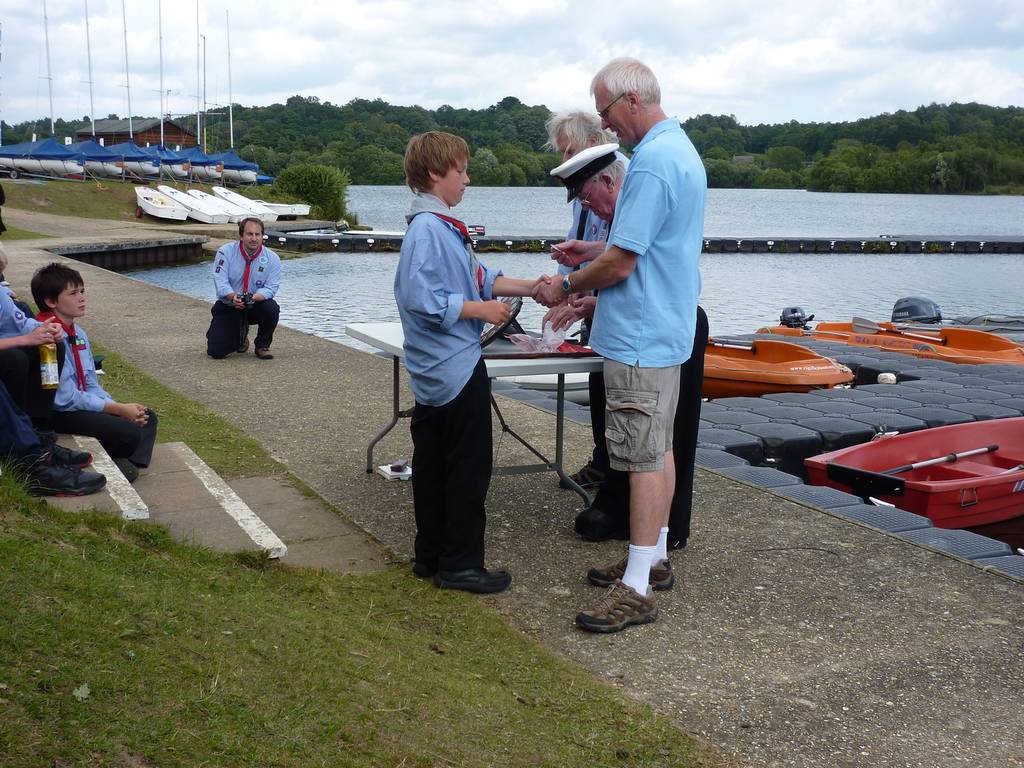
point(961, 476)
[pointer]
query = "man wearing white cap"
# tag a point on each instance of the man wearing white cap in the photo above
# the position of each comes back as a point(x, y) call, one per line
point(645, 319)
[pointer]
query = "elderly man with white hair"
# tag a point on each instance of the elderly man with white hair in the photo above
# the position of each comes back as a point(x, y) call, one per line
point(644, 323)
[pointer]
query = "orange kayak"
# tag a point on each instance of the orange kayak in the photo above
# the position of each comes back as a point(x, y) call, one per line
point(955, 345)
point(737, 369)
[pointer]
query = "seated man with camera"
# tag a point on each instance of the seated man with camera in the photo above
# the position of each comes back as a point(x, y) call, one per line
point(246, 275)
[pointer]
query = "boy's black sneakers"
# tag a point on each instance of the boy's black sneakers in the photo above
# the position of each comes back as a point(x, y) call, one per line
point(47, 477)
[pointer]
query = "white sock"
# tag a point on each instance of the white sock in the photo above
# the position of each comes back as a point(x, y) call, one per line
point(638, 568)
point(662, 552)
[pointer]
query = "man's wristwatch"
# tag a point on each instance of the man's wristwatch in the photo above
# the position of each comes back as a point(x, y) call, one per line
point(566, 285)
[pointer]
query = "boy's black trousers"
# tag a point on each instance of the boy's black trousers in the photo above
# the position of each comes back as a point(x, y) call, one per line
point(451, 471)
point(120, 438)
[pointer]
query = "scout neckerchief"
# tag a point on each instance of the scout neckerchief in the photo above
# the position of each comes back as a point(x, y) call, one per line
point(248, 264)
point(474, 265)
point(76, 344)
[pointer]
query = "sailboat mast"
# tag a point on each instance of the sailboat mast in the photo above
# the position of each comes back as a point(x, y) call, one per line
point(127, 77)
point(49, 72)
point(231, 101)
point(206, 122)
point(88, 54)
point(160, 29)
point(1, 59)
point(199, 126)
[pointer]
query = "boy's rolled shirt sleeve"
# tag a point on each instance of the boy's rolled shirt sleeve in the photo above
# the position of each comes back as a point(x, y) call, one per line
point(490, 275)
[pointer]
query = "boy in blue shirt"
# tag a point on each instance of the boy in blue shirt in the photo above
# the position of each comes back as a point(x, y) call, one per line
point(127, 431)
point(444, 297)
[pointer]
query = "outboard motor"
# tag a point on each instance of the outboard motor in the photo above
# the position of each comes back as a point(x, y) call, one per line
point(794, 317)
point(916, 309)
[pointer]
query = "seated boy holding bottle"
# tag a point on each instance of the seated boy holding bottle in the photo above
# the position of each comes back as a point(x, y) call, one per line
point(127, 431)
point(444, 297)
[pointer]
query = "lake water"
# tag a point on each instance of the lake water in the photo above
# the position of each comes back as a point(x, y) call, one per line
point(322, 293)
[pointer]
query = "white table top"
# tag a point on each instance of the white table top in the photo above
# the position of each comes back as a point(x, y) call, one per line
point(388, 337)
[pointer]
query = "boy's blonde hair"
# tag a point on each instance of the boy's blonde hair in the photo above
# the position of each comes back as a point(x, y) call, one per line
point(432, 152)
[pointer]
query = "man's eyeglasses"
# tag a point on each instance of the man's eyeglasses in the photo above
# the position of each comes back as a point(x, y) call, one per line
point(584, 198)
point(603, 113)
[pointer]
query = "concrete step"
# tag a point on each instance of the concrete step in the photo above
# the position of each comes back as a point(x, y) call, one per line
point(179, 491)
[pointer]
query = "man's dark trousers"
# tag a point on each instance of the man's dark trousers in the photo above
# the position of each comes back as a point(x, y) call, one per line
point(224, 333)
point(19, 372)
point(451, 472)
point(18, 440)
point(613, 496)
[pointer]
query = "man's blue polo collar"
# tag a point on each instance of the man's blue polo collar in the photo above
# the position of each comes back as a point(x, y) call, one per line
point(668, 124)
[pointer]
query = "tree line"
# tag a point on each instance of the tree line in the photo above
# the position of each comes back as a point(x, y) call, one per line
point(939, 148)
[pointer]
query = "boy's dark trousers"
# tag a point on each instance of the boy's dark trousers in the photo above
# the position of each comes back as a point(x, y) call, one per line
point(19, 372)
point(613, 496)
point(222, 337)
point(120, 438)
point(451, 471)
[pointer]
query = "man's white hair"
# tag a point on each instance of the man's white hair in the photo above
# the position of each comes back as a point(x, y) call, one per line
point(576, 129)
point(625, 75)
point(616, 171)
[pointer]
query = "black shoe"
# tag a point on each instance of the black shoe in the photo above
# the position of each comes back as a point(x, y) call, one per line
point(594, 524)
point(129, 470)
point(62, 455)
point(243, 342)
point(478, 580)
point(422, 570)
point(48, 478)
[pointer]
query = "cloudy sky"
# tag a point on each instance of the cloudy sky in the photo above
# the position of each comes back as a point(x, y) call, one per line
point(762, 62)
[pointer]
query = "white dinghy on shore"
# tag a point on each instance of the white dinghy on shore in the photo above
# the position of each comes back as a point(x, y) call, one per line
point(158, 205)
point(197, 209)
point(286, 209)
point(234, 212)
point(255, 209)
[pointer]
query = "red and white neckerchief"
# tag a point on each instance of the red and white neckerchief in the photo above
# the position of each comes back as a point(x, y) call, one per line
point(248, 264)
point(474, 265)
point(76, 344)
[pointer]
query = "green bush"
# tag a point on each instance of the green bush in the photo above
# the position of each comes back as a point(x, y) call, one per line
point(321, 186)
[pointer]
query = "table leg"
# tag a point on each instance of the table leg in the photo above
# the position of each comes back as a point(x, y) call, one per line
point(559, 433)
point(395, 414)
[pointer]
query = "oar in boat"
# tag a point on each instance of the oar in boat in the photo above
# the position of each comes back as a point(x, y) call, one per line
point(861, 325)
point(732, 345)
point(950, 457)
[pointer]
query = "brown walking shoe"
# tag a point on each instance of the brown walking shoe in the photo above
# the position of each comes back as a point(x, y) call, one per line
point(620, 607)
point(661, 574)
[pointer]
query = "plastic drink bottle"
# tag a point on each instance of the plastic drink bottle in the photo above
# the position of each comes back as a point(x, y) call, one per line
point(48, 373)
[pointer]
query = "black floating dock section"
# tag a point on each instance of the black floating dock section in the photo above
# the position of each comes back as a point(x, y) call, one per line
point(136, 254)
point(354, 241)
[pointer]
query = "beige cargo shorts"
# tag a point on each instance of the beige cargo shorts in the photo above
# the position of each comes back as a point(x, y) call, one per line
point(639, 414)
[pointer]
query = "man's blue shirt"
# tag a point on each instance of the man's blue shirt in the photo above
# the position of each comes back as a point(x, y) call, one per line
point(436, 274)
point(649, 318)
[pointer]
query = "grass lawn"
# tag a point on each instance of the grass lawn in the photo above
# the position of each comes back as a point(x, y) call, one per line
point(13, 233)
point(122, 647)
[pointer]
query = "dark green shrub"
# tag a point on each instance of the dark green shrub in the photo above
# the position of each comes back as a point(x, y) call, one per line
point(322, 186)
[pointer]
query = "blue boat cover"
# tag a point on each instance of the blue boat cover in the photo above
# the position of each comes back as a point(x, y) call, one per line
point(233, 162)
point(197, 157)
point(265, 179)
point(164, 155)
point(47, 149)
point(90, 150)
point(130, 151)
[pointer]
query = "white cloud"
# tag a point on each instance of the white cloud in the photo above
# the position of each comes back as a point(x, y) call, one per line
point(792, 59)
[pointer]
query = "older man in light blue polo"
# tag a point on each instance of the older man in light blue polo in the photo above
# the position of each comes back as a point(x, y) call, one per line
point(643, 326)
